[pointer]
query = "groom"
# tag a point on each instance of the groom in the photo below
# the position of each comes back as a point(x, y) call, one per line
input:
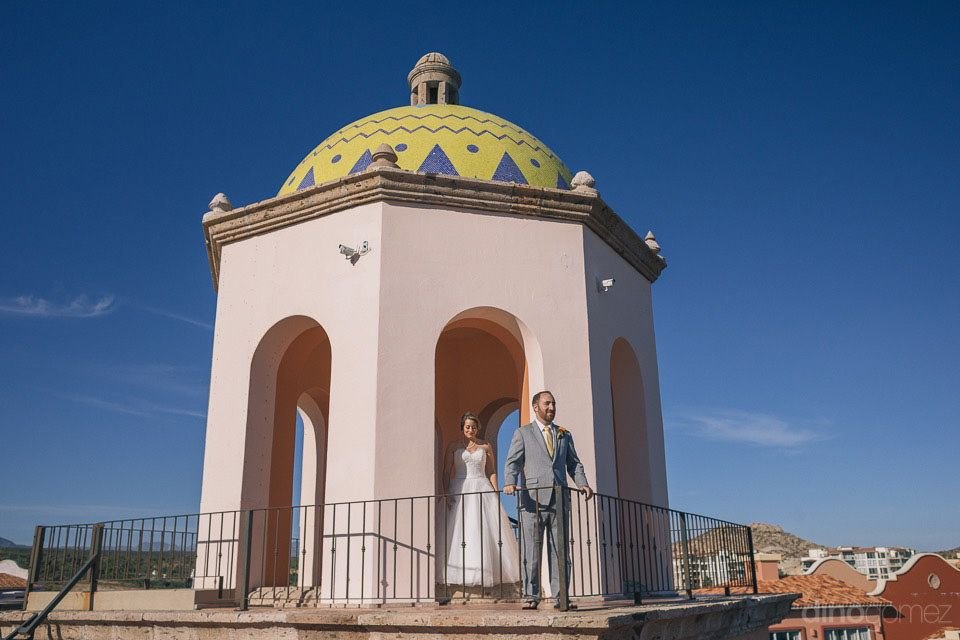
point(545, 454)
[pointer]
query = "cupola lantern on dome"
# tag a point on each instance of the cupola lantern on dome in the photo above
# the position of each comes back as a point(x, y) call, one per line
point(433, 80)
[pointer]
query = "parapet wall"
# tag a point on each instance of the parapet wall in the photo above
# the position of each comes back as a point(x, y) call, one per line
point(745, 618)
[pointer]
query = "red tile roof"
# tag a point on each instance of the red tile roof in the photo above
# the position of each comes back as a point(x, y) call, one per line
point(8, 581)
point(821, 591)
point(815, 590)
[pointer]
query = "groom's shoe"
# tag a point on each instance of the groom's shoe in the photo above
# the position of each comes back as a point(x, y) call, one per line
point(530, 604)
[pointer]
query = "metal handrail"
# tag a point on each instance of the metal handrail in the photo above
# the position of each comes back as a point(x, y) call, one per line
point(612, 546)
point(27, 628)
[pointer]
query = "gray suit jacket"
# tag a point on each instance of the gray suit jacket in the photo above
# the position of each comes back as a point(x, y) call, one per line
point(528, 454)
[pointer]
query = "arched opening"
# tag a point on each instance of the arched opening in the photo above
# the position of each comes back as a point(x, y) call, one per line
point(629, 424)
point(313, 474)
point(486, 360)
point(289, 378)
point(504, 424)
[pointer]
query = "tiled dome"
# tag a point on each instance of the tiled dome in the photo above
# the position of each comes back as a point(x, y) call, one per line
point(434, 138)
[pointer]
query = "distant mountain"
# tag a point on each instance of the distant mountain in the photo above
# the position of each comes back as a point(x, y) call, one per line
point(769, 538)
point(950, 553)
point(6, 544)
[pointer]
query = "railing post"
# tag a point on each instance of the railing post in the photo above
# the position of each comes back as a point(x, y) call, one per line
point(242, 595)
point(96, 555)
point(562, 513)
point(638, 533)
point(753, 563)
point(685, 541)
point(36, 557)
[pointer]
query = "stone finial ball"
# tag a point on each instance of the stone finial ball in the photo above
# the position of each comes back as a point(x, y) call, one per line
point(583, 179)
point(220, 202)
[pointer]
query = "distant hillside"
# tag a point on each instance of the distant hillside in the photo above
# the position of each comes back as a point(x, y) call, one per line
point(769, 538)
point(4, 543)
point(10, 550)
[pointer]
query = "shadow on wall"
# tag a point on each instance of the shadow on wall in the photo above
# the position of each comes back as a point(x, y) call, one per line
point(631, 442)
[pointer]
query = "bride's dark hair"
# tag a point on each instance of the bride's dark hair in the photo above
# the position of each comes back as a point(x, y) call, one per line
point(469, 415)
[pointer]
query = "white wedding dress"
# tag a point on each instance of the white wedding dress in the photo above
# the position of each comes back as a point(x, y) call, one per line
point(476, 526)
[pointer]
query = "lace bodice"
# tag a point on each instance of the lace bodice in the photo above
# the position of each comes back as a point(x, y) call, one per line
point(470, 464)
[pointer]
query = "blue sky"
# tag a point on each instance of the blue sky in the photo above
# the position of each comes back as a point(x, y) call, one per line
point(799, 163)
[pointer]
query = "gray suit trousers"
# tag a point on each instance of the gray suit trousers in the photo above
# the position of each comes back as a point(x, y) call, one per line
point(539, 524)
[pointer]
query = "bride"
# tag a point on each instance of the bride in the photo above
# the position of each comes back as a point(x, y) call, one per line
point(475, 522)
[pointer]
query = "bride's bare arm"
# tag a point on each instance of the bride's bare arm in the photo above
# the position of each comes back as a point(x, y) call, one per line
point(492, 468)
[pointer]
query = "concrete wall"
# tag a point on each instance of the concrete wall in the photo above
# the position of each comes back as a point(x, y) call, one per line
point(526, 283)
point(439, 264)
point(729, 619)
point(384, 316)
point(624, 312)
point(295, 272)
point(142, 600)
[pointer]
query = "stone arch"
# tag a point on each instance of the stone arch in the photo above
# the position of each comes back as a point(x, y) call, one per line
point(631, 441)
point(486, 361)
point(492, 416)
point(312, 408)
point(289, 374)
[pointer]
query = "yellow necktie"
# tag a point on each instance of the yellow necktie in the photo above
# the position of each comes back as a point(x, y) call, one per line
point(548, 438)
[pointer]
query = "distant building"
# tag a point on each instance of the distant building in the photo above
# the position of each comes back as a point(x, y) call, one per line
point(709, 569)
point(926, 594)
point(12, 589)
point(828, 609)
point(874, 562)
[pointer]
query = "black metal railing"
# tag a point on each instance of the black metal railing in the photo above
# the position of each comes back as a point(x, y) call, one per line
point(425, 548)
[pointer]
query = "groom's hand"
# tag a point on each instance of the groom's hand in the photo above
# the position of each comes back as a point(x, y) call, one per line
point(587, 491)
point(509, 489)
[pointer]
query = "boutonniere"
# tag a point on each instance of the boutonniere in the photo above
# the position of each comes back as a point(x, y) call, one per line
point(562, 433)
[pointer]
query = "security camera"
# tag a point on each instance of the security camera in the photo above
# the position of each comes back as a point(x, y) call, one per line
point(353, 255)
point(606, 284)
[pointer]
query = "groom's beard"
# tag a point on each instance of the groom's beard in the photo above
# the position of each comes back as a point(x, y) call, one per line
point(547, 417)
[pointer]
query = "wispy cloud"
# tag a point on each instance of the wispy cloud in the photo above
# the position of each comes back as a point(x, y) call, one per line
point(156, 377)
point(107, 405)
point(84, 306)
point(176, 316)
point(191, 413)
point(77, 307)
point(759, 429)
point(134, 407)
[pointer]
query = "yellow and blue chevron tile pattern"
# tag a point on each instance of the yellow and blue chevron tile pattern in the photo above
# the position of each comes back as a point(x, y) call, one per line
point(436, 138)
